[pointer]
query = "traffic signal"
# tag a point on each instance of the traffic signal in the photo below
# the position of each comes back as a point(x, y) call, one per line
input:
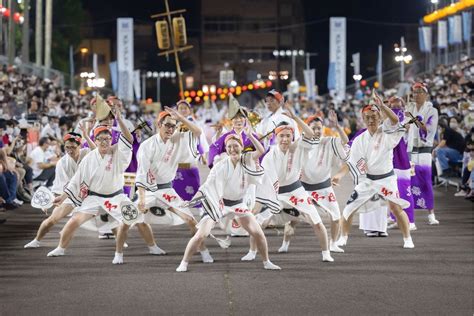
point(162, 34)
point(179, 30)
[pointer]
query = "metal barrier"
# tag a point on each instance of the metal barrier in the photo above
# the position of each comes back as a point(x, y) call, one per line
point(31, 69)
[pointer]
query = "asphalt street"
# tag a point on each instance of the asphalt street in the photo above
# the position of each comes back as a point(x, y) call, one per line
point(374, 276)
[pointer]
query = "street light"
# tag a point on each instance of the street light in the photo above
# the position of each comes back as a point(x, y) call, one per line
point(158, 75)
point(293, 54)
point(402, 57)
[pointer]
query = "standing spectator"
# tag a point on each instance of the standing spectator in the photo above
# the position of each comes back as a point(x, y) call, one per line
point(43, 168)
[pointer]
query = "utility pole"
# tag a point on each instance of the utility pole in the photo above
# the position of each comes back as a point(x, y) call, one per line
point(25, 39)
point(11, 33)
point(174, 48)
point(48, 36)
point(39, 32)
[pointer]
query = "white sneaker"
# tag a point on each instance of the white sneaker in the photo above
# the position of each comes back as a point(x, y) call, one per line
point(268, 265)
point(432, 220)
point(125, 245)
point(392, 226)
point(33, 244)
point(56, 252)
point(19, 202)
point(460, 193)
point(327, 256)
point(206, 257)
point(408, 243)
point(333, 247)
point(155, 250)
point(118, 258)
point(413, 226)
point(250, 256)
point(183, 267)
point(284, 247)
point(342, 241)
point(390, 220)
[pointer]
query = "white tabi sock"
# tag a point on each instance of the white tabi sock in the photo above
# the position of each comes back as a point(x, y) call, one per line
point(183, 267)
point(155, 250)
point(118, 259)
point(56, 252)
point(206, 256)
point(284, 246)
point(250, 256)
point(327, 256)
point(33, 244)
point(268, 265)
point(408, 243)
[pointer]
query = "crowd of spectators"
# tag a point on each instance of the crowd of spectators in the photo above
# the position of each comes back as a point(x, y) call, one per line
point(35, 113)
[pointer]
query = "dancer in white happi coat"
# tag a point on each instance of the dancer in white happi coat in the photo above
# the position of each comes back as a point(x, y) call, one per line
point(316, 176)
point(97, 185)
point(282, 187)
point(420, 145)
point(65, 169)
point(158, 159)
point(274, 102)
point(222, 195)
point(372, 157)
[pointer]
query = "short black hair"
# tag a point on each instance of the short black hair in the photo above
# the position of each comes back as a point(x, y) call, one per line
point(43, 140)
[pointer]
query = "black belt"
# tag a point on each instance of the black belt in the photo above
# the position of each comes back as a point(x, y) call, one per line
point(231, 202)
point(290, 187)
point(317, 186)
point(380, 176)
point(163, 186)
point(106, 195)
point(422, 150)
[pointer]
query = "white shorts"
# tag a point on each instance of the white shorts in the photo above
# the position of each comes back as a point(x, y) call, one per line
point(96, 205)
point(303, 203)
point(325, 200)
point(369, 195)
point(229, 213)
point(159, 202)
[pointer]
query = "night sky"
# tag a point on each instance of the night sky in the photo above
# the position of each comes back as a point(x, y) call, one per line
point(365, 32)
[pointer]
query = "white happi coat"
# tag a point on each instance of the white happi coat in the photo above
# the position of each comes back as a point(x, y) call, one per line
point(271, 121)
point(373, 155)
point(103, 175)
point(157, 165)
point(226, 182)
point(65, 170)
point(282, 169)
point(318, 170)
point(430, 119)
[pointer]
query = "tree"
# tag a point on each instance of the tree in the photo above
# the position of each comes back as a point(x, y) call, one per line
point(68, 16)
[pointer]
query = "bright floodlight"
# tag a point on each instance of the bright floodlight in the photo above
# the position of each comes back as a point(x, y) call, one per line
point(301, 52)
point(434, 1)
point(275, 53)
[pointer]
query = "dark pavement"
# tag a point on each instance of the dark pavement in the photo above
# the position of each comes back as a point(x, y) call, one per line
point(374, 276)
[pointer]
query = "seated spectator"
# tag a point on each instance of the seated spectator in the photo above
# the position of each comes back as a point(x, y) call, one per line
point(449, 149)
point(43, 168)
point(8, 183)
point(52, 128)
